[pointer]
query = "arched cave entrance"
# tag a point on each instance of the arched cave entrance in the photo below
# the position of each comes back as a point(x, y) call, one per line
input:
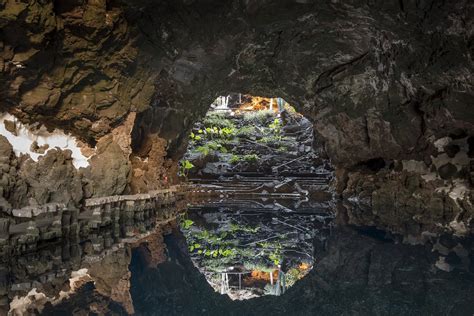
point(260, 197)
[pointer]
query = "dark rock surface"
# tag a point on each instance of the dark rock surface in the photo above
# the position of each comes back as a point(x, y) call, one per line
point(379, 80)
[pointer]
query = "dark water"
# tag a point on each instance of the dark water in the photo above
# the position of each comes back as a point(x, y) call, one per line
point(355, 271)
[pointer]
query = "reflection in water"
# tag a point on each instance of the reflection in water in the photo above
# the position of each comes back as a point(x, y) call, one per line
point(93, 268)
point(249, 248)
point(355, 272)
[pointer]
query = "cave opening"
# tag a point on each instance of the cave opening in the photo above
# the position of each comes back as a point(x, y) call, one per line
point(260, 196)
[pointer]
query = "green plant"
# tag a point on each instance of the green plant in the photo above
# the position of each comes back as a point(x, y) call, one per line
point(250, 157)
point(247, 229)
point(204, 150)
point(246, 131)
point(195, 137)
point(186, 224)
point(270, 139)
point(217, 119)
point(184, 167)
point(275, 257)
point(234, 159)
point(275, 126)
point(227, 132)
point(258, 117)
point(210, 147)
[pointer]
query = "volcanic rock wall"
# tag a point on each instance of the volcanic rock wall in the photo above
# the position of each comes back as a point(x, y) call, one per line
point(388, 86)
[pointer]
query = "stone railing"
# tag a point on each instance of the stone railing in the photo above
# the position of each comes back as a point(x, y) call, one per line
point(26, 227)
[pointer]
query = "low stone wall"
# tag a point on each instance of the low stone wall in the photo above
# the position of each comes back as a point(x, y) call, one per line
point(27, 227)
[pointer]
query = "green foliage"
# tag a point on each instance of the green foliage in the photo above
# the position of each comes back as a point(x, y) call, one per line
point(257, 117)
point(275, 257)
point(219, 252)
point(246, 131)
point(234, 159)
point(271, 139)
point(195, 137)
point(218, 119)
point(213, 133)
point(194, 246)
point(294, 275)
point(211, 147)
point(186, 224)
point(208, 245)
point(275, 126)
point(235, 228)
point(204, 150)
point(184, 167)
point(227, 132)
point(250, 158)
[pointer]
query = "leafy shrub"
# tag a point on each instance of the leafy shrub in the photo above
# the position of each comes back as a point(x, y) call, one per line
point(211, 147)
point(184, 167)
point(234, 159)
point(204, 150)
point(195, 137)
point(186, 224)
point(250, 158)
point(217, 119)
point(257, 117)
point(275, 126)
point(246, 131)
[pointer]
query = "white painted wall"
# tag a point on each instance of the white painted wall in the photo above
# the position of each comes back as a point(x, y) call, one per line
point(57, 139)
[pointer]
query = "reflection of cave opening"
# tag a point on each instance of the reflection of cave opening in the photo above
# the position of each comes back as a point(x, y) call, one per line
point(260, 196)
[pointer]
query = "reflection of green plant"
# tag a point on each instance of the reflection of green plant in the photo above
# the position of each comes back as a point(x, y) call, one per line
point(207, 244)
point(204, 150)
point(194, 246)
point(195, 137)
point(184, 167)
point(247, 229)
point(294, 275)
point(227, 132)
point(275, 255)
point(186, 224)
